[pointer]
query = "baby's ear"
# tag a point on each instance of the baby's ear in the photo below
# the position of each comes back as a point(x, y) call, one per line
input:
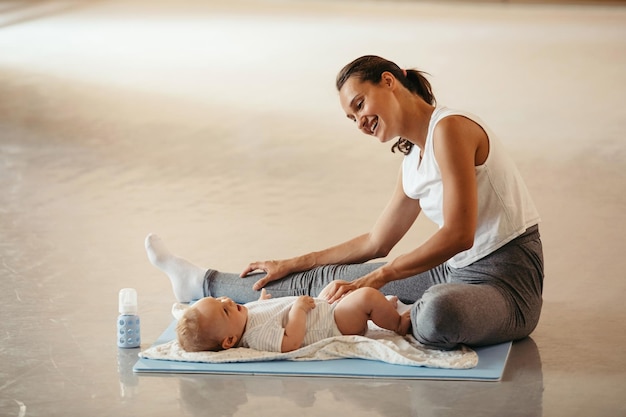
point(229, 342)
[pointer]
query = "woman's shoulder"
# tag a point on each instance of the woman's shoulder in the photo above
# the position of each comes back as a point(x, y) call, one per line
point(456, 125)
point(459, 131)
point(449, 117)
point(453, 121)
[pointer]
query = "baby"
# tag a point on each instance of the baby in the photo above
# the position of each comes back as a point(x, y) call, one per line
point(285, 324)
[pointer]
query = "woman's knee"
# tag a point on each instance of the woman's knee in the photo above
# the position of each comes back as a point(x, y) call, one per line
point(475, 315)
point(437, 319)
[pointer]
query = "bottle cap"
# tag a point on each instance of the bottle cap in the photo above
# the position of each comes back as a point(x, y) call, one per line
point(128, 301)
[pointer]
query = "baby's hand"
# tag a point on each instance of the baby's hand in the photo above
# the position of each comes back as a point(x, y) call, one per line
point(265, 295)
point(305, 303)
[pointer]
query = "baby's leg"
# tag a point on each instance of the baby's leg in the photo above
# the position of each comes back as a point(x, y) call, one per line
point(187, 279)
point(354, 310)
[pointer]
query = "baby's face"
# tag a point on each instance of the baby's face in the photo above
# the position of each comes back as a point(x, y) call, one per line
point(222, 317)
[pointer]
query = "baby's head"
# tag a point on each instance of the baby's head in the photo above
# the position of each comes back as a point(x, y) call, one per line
point(212, 324)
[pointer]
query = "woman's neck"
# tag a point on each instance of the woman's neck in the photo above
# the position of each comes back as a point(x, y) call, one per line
point(417, 119)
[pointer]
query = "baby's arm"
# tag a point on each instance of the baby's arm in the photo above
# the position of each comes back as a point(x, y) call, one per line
point(295, 329)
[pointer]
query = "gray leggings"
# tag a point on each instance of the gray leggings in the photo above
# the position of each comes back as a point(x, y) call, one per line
point(495, 299)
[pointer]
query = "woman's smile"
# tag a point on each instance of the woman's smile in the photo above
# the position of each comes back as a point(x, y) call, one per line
point(370, 125)
point(374, 126)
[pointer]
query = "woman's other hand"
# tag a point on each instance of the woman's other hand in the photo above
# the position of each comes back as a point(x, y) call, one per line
point(338, 289)
point(274, 270)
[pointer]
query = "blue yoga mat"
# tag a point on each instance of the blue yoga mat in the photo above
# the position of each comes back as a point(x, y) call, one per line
point(491, 363)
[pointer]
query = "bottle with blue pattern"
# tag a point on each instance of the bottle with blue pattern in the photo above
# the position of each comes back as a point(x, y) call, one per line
point(128, 323)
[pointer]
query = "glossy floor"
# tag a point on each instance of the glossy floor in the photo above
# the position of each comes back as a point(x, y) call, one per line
point(218, 127)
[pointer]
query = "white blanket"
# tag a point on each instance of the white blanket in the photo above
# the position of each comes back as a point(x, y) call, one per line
point(378, 344)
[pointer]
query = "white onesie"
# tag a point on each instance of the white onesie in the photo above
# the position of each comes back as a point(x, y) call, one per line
point(266, 323)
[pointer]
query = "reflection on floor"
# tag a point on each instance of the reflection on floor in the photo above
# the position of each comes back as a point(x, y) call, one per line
point(217, 126)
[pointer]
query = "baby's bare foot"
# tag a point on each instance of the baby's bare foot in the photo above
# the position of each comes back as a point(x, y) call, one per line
point(405, 323)
point(393, 300)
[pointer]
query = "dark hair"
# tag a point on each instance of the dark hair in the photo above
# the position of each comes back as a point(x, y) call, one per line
point(370, 68)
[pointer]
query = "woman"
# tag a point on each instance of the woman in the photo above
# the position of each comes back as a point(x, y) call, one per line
point(477, 280)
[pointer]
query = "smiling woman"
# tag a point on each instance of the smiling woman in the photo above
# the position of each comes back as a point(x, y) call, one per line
point(372, 69)
point(477, 280)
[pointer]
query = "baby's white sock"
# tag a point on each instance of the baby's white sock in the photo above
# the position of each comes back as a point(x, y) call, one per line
point(187, 279)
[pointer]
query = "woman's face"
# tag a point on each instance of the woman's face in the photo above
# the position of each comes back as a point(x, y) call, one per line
point(370, 106)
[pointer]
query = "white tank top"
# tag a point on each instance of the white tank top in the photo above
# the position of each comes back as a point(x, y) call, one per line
point(505, 208)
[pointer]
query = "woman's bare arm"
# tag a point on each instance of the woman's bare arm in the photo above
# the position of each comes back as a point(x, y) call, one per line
point(395, 220)
point(456, 146)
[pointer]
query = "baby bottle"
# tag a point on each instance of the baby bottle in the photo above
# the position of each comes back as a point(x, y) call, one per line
point(128, 335)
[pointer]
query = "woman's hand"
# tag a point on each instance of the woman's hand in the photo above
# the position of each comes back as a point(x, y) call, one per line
point(338, 289)
point(274, 270)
